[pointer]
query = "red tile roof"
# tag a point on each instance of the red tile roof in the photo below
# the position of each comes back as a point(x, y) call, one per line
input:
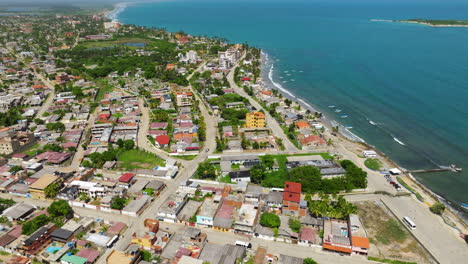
point(292, 197)
point(294, 187)
point(337, 248)
point(163, 139)
point(126, 177)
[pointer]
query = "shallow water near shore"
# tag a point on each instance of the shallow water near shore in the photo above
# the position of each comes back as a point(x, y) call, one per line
point(403, 87)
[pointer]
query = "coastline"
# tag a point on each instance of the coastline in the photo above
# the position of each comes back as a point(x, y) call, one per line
point(348, 135)
point(428, 24)
point(351, 137)
point(114, 13)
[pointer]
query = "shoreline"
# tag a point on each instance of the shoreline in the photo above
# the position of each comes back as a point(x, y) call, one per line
point(114, 13)
point(419, 23)
point(328, 123)
point(429, 24)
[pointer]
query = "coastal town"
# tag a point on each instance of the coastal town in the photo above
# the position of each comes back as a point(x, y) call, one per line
point(126, 144)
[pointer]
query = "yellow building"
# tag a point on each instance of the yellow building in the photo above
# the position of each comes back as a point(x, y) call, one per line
point(146, 241)
point(37, 188)
point(255, 120)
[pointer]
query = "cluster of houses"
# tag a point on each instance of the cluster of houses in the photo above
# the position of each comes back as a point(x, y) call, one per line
point(191, 246)
point(117, 119)
point(178, 133)
point(238, 207)
point(80, 240)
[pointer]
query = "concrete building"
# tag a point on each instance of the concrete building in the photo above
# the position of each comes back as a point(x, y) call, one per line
point(222, 254)
point(184, 99)
point(37, 188)
point(11, 142)
point(255, 120)
point(246, 218)
point(205, 216)
point(171, 208)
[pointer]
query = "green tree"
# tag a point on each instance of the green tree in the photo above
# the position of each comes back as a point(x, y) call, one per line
point(60, 209)
point(15, 169)
point(129, 144)
point(270, 220)
point(206, 170)
point(257, 174)
point(34, 224)
point(268, 161)
point(118, 203)
point(52, 190)
point(308, 176)
point(437, 208)
point(84, 197)
point(294, 224)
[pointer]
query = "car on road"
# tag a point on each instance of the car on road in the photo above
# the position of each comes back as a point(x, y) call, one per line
point(207, 150)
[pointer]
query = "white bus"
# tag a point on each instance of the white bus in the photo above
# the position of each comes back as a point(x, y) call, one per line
point(243, 244)
point(112, 241)
point(409, 222)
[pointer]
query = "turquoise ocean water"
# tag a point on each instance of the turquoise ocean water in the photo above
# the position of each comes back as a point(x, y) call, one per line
point(403, 86)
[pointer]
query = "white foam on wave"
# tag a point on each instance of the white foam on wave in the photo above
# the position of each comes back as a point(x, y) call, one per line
point(398, 141)
point(119, 8)
point(306, 104)
point(277, 85)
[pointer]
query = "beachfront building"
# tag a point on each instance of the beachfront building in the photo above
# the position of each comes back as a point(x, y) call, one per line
point(255, 120)
point(359, 241)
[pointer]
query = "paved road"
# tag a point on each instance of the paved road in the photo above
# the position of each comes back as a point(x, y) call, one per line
point(186, 171)
point(50, 99)
point(431, 231)
point(271, 122)
point(79, 154)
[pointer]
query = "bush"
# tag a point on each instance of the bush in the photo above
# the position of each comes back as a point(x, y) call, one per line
point(270, 220)
point(437, 208)
point(309, 261)
point(60, 209)
point(34, 224)
point(294, 224)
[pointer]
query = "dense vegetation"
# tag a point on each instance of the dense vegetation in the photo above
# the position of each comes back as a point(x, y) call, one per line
point(270, 220)
point(58, 211)
point(334, 206)
point(5, 203)
point(10, 117)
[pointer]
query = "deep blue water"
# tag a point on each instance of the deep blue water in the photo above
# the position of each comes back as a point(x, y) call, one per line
point(410, 80)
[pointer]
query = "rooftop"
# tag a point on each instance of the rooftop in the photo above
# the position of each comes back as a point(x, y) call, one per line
point(44, 181)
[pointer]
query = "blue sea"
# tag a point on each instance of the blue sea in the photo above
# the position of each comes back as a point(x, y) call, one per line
point(403, 86)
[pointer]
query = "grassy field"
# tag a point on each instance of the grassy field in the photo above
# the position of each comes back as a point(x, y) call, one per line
point(325, 155)
point(32, 150)
point(390, 240)
point(104, 88)
point(138, 159)
point(186, 157)
point(373, 164)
